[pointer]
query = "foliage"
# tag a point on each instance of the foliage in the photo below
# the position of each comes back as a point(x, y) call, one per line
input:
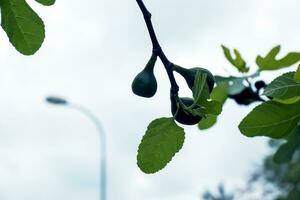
point(297, 75)
point(235, 84)
point(238, 62)
point(285, 177)
point(276, 117)
point(24, 28)
point(269, 62)
point(271, 180)
point(284, 87)
point(271, 119)
point(219, 94)
point(287, 150)
point(46, 2)
point(222, 195)
point(282, 179)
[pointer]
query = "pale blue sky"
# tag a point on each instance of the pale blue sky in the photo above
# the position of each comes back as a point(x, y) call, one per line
point(92, 52)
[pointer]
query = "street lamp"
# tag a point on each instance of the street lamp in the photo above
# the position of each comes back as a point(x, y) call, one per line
point(62, 102)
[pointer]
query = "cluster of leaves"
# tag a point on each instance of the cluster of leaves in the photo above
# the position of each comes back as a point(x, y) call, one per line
point(277, 117)
point(279, 114)
point(243, 91)
point(24, 28)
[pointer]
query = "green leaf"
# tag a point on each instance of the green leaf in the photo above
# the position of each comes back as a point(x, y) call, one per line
point(283, 87)
point(297, 75)
point(286, 151)
point(200, 89)
point(269, 62)
point(208, 122)
point(163, 139)
point(211, 107)
point(196, 112)
point(235, 84)
point(22, 25)
point(219, 94)
point(46, 2)
point(288, 101)
point(238, 62)
point(207, 107)
point(271, 119)
point(202, 97)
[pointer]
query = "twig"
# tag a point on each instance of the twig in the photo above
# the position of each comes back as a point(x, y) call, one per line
point(157, 50)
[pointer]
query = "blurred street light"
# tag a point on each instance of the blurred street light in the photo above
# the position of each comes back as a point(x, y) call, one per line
point(103, 172)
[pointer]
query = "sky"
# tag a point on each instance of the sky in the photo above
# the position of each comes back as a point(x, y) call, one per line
point(92, 52)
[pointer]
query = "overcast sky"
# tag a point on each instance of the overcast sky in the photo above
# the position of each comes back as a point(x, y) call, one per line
point(92, 51)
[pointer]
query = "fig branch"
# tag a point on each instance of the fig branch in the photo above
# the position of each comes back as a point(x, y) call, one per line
point(209, 93)
point(188, 111)
point(157, 50)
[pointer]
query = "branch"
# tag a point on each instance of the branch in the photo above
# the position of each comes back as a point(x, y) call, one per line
point(157, 50)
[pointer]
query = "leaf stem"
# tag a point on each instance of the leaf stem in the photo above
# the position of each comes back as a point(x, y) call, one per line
point(157, 50)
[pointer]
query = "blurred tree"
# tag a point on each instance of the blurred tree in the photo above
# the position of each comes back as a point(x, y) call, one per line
point(270, 181)
point(220, 196)
point(280, 181)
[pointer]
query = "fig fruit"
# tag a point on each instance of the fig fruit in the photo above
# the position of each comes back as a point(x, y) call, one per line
point(180, 115)
point(190, 74)
point(260, 84)
point(145, 84)
point(246, 97)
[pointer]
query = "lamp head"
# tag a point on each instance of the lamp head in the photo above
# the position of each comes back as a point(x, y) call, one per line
point(56, 100)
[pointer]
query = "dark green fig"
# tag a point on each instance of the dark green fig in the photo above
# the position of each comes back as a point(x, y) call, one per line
point(190, 74)
point(246, 97)
point(260, 84)
point(180, 115)
point(144, 84)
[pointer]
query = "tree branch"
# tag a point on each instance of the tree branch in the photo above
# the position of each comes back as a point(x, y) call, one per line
point(157, 50)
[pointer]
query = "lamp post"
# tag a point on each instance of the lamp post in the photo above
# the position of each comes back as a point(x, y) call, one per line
point(103, 174)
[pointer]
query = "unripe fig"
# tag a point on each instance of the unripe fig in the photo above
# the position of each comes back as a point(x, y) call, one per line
point(190, 74)
point(181, 116)
point(260, 84)
point(145, 84)
point(246, 97)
